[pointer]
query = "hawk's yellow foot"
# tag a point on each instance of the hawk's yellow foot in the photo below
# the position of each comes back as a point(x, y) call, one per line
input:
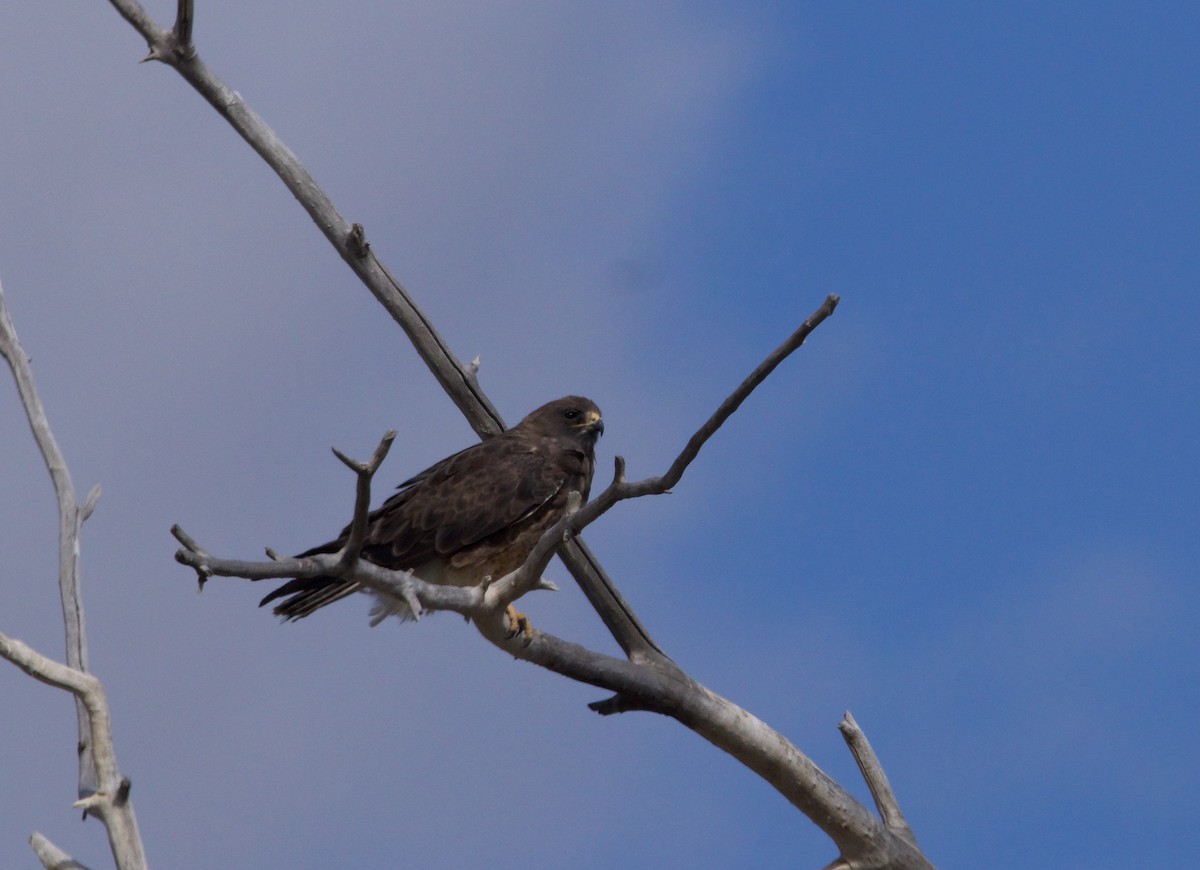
point(518, 623)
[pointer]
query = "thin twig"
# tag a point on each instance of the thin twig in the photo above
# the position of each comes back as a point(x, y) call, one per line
point(735, 399)
point(362, 497)
point(877, 781)
point(620, 489)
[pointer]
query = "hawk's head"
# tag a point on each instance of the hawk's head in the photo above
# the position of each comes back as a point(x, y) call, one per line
point(571, 418)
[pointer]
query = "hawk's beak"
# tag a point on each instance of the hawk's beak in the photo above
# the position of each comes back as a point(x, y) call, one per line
point(594, 421)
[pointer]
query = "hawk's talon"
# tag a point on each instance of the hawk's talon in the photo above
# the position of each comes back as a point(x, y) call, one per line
point(518, 624)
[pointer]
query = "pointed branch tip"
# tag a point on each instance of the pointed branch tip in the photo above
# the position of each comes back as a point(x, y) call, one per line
point(618, 469)
point(90, 504)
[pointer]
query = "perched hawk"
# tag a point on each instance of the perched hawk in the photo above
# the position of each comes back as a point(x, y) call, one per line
point(476, 513)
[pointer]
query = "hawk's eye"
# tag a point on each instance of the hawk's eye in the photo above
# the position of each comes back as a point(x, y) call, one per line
point(571, 414)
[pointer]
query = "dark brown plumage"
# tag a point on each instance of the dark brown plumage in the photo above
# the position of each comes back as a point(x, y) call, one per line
point(476, 513)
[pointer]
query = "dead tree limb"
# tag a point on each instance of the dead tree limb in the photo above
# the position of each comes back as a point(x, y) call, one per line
point(656, 685)
point(103, 791)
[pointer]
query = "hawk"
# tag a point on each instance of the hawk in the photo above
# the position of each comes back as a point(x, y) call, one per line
point(478, 512)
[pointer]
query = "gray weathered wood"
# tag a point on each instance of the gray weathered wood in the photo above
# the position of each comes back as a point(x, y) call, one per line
point(103, 791)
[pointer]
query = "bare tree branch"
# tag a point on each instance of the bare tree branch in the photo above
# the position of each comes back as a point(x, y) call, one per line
point(349, 241)
point(110, 801)
point(735, 399)
point(647, 679)
point(529, 575)
point(103, 792)
point(362, 498)
point(70, 520)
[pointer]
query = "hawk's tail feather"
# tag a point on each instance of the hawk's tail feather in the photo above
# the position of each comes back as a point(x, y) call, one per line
point(308, 595)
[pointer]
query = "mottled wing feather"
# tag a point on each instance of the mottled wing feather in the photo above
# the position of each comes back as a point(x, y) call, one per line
point(462, 501)
point(459, 502)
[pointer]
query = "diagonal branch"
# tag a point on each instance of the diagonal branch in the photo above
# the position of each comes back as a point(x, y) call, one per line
point(601, 592)
point(735, 399)
point(665, 689)
point(528, 575)
point(349, 240)
point(620, 489)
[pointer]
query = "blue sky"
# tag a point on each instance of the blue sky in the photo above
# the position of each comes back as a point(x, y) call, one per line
point(966, 510)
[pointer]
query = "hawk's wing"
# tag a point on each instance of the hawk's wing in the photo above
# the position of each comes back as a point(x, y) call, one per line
point(463, 500)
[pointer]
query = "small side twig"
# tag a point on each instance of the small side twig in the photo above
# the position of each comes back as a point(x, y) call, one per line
point(356, 241)
point(362, 499)
point(52, 857)
point(876, 779)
